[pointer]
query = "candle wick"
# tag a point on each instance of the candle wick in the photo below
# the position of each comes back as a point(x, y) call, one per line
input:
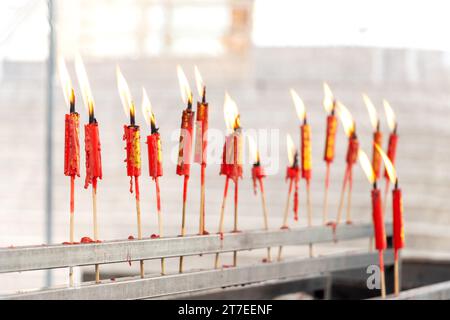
point(204, 95)
point(396, 183)
point(375, 184)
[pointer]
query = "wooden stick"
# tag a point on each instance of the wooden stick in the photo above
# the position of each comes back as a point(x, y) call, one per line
point(235, 229)
point(222, 214)
point(202, 200)
point(309, 205)
point(396, 274)
point(160, 219)
point(325, 199)
point(265, 215)
point(349, 195)
point(383, 282)
point(285, 218)
point(72, 211)
point(94, 209)
point(139, 225)
point(183, 217)
point(341, 201)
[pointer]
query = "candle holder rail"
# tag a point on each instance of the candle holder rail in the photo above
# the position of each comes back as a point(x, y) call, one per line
point(19, 259)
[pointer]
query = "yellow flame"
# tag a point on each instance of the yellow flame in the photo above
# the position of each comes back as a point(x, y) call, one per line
point(299, 105)
point(390, 115)
point(231, 113)
point(253, 149)
point(372, 111)
point(66, 83)
point(290, 149)
point(185, 89)
point(346, 119)
point(366, 165)
point(328, 99)
point(83, 81)
point(387, 164)
point(199, 81)
point(124, 93)
point(147, 108)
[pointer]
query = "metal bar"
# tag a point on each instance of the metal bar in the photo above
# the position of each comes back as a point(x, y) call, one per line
point(136, 288)
point(59, 256)
point(440, 291)
point(49, 133)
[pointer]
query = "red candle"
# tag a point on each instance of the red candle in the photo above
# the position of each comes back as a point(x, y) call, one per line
point(257, 174)
point(378, 220)
point(330, 138)
point(352, 150)
point(201, 122)
point(185, 144)
point(133, 148)
point(72, 145)
point(376, 158)
point(399, 234)
point(393, 137)
point(293, 175)
point(154, 155)
point(93, 155)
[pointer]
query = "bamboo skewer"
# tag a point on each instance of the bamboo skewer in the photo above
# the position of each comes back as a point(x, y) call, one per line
point(266, 220)
point(349, 196)
point(94, 210)
point(72, 212)
point(202, 230)
point(139, 225)
point(160, 218)
point(396, 274)
point(183, 219)
point(341, 201)
point(383, 281)
point(309, 206)
point(235, 229)
point(325, 199)
point(222, 213)
point(285, 218)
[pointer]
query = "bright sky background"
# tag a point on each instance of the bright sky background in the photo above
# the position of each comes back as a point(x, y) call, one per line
point(423, 24)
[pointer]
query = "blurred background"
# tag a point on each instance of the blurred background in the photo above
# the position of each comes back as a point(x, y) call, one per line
point(255, 49)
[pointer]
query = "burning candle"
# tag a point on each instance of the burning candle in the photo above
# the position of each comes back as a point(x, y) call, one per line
point(231, 165)
point(201, 144)
point(397, 217)
point(71, 144)
point(377, 135)
point(306, 158)
point(293, 175)
point(257, 177)
point(351, 157)
point(185, 145)
point(132, 139)
point(329, 104)
point(92, 146)
point(377, 215)
point(392, 144)
point(154, 159)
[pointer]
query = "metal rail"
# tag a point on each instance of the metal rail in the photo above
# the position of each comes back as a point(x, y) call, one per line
point(60, 256)
point(439, 291)
point(136, 288)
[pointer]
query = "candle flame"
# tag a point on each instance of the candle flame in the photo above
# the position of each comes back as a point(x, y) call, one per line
point(291, 150)
point(185, 89)
point(83, 81)
point(199, 81)
point(372, 111)
point(231, 113)
point(366, 166)
point(390, 115)
point(299, 105)
point(253, 149)
point(124, 93)
point(346, 119)
point(387, 164)
point(328, 99)
point(66, 83)
point(147, 109)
